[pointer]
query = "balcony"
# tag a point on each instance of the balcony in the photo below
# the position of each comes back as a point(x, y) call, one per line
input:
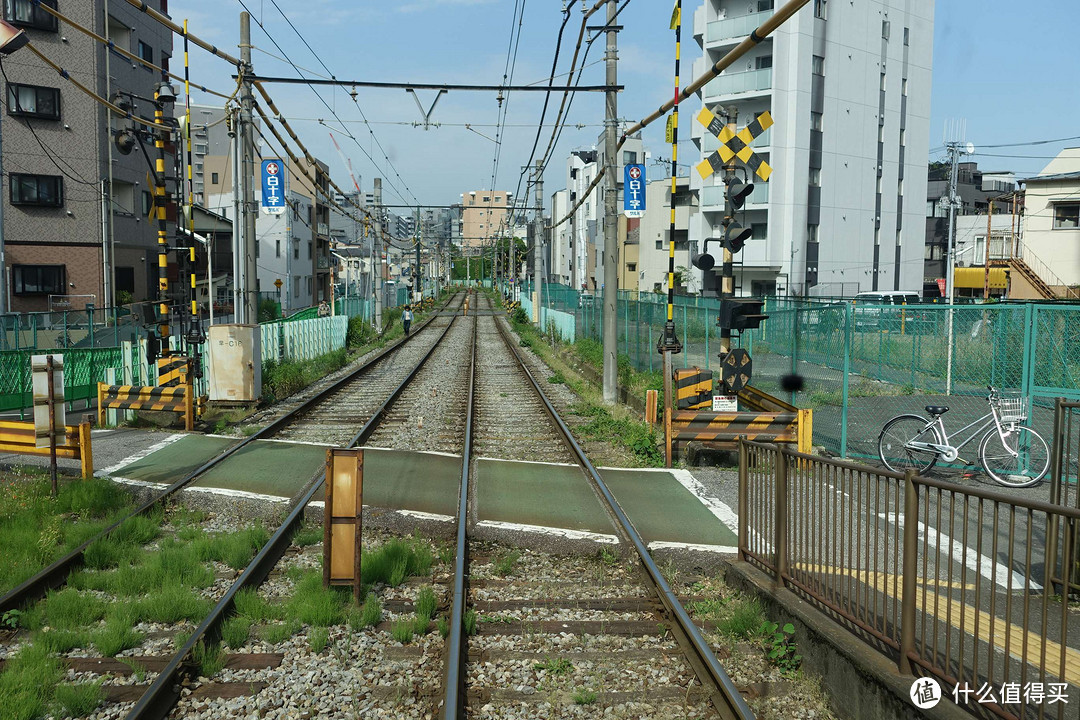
point(322, 263)
point(322, 229)
point(734, 30)
point(712, 197)
point(752, 81)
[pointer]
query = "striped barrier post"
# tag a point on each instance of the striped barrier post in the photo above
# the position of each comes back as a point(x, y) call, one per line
point(19, 438)
point(177, 398)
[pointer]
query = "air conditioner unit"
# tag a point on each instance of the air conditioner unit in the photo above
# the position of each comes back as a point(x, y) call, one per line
point(961, 263)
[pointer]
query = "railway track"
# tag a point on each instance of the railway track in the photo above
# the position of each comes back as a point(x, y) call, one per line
point(526, 634)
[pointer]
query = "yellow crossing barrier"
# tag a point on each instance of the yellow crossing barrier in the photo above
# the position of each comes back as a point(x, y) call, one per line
point(18, 437)
point(178, 399)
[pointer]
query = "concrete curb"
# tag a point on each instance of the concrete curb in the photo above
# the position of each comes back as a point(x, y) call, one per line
point(862, 683)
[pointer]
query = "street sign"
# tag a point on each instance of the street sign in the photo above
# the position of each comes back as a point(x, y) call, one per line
point(42, 407)
point(273, 186)
point(734, 144)
point(278, 283)
point(634, 191)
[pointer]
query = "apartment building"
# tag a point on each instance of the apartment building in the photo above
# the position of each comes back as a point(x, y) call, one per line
point(484, 216)
point(76, 229)
point(848, 86)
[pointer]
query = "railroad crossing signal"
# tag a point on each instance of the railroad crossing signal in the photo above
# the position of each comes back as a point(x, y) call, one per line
point(736, 369)
point(734, 144)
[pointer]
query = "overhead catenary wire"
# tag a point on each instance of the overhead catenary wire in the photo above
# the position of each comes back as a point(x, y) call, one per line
point(755, 37)
point(103, 101)
point(164, 20)
point(126, 53)
point(311, 85)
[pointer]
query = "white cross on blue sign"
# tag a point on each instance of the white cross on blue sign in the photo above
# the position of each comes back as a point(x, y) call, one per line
point(634, 191)
point(273, 186)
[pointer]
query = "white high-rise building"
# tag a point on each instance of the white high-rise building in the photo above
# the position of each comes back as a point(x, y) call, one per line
point(848, 87)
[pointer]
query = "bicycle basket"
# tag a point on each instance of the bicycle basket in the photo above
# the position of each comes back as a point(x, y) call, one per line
point(1012, 409)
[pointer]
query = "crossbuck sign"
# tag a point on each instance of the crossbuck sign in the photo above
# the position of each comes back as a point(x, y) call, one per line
point(634, 191)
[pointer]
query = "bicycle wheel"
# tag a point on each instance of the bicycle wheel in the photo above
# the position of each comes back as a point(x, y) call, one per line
point(1020, 461)
point(893, 444)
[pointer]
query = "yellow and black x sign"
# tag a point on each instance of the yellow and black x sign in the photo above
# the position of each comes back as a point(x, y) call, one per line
point(734, 144)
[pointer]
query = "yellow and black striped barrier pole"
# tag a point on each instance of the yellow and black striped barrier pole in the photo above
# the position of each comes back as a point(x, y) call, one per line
point(669, 341)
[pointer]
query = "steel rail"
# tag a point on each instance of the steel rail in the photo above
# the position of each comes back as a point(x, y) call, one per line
point(55, 574)
point(454, 679)
point(726, 698)
point(159, 699)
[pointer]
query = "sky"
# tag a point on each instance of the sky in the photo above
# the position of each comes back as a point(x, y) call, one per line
point(1004, 75)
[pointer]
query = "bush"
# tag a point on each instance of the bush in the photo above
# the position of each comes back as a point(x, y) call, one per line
point(359, 333)
point(269, 310)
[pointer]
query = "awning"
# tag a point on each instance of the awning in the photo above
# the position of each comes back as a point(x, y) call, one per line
point(974, 277)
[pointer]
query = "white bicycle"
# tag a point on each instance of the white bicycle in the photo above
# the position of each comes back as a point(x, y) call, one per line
point(1012, 454)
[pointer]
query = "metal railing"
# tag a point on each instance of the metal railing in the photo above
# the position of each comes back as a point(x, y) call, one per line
point(1017, 250)
point(947, 580)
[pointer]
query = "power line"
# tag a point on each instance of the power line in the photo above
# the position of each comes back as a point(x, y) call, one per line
point(311, 84)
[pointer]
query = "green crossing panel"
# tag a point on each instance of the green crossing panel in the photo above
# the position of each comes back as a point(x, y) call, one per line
point(662, 509)
point(538, 494)
point(176, 460)
point(268, 467)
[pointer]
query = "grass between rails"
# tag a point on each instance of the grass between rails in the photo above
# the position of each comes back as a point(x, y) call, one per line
point(614, 425)
point(139, 585)
point(36, 528)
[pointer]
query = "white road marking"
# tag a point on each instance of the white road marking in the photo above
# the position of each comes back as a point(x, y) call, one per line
point(561, 532)
point(988, 568)
point(720, 549)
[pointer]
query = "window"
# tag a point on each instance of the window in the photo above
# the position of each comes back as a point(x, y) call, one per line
point(296, 249)
point(885, 29)
point(145, 52)
point(309, 253)
point(878, 189)
point(815, 121)
point(165, 62)
point(125, 279)
point(631, 267)
point(25, 13)
point(46, 190)
point(760, 231)
point(277, 247)
point(39, 279)
point(763, 5)
point(882, 87)
point(815, 177)
point(214, 178)
point(819, 9)
point(147, 203)
point(34, 101)
point(881, 133)
point(628, 157)
point(817, 65)
point(903, 87)
point(1066, 216)
point(906, 33)
point(487, 198)
point(765, 61)
point(811, 233)
point(903, 137)
point(900, 186)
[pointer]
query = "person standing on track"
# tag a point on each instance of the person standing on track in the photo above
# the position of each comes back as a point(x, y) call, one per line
point(406, 319)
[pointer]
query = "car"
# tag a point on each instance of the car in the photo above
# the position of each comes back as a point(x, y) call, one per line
point(896, 311)
point(586, 299)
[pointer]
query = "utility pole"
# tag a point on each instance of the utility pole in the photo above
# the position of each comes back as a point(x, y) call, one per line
point(727, 272)
point(538, 243)
point(611, 225)
point(247, 172)
point(953, 148)
point(376, 260)
point(418, 297)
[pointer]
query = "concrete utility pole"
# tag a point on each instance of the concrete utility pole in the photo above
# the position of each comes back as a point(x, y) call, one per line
point(538, 243)
point(247, 173)
point(954, 150)
point(611, 225)
point(417, 280)
point(376, 259)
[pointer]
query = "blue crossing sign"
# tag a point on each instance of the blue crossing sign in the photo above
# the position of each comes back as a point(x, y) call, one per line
point(273, 186)
point(634, 191)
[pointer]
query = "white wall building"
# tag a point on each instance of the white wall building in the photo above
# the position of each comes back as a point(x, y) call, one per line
point(285, 249)
point(848, 86)
point(653, 237)
point(558, 269)
point(1051, 241)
